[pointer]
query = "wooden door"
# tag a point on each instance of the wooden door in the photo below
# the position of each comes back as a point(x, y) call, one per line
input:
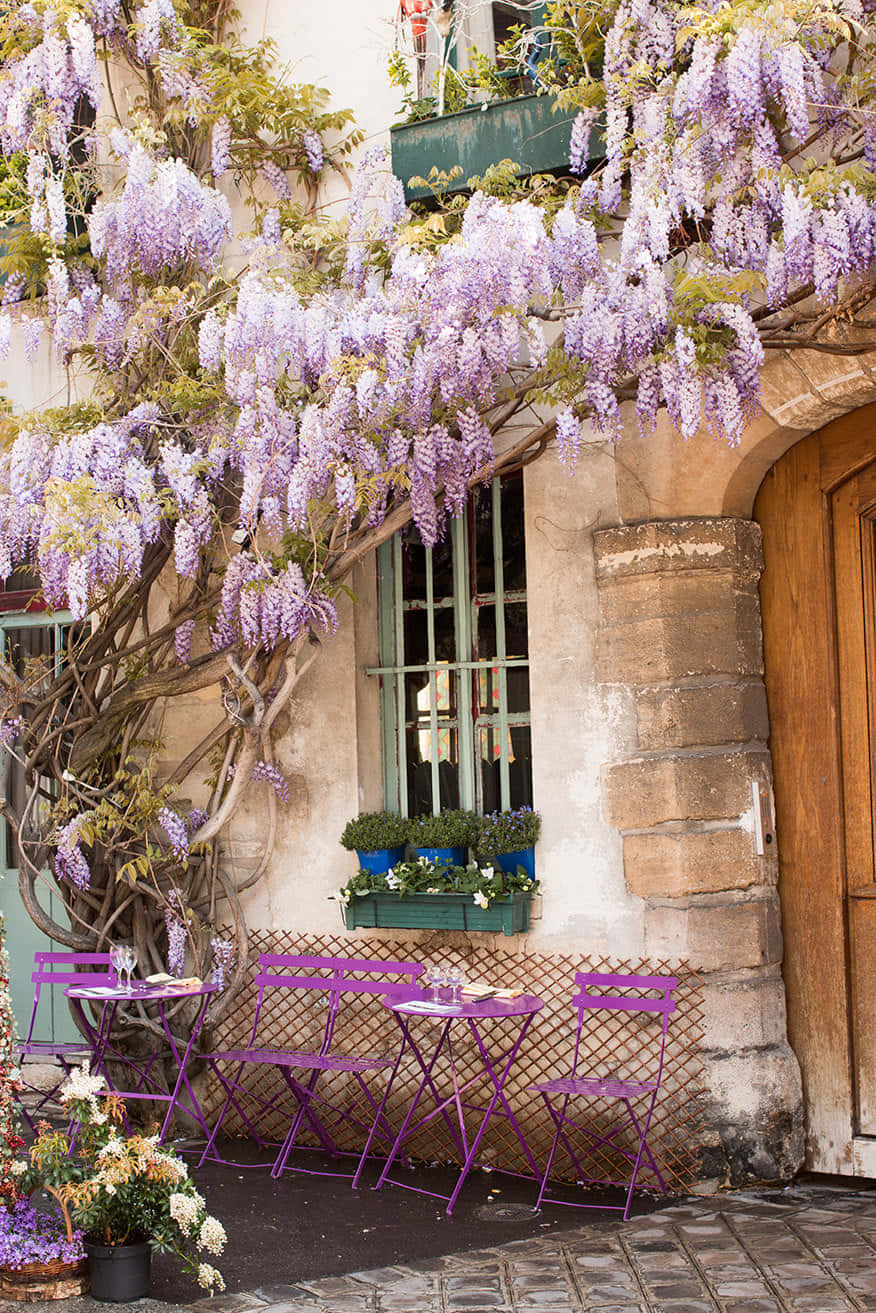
point(817, 508)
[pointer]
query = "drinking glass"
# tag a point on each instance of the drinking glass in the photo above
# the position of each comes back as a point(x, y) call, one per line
point(118, 956)
point(434, 978)
point(454, 979)
point(130, 961)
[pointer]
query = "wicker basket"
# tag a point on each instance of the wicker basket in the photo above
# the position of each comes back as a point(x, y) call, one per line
point(33, 1282)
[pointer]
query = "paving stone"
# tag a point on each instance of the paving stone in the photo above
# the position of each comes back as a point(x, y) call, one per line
point(595, 1260)
point(607, 1294)
point(474, 1282)
point(684, 1306)
point(821, 1304)
point(677, 1290)
point(752, 1289)
point(547, 1299)
point(541, 1280)
point(476, 1299)
point(752, 1306)
point(290, 1306)
point(227, 1303)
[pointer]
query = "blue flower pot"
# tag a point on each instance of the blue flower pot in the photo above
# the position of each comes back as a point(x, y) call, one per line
point(444, 856)
point(380, 860)
point(509, 862)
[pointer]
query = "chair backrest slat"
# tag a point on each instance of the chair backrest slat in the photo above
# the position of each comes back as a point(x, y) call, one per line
point(49, 970)
point(627, 1004)
point(597, 992)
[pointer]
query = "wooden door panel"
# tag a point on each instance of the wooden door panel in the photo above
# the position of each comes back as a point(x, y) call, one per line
point(800, 678)
point(862, 962)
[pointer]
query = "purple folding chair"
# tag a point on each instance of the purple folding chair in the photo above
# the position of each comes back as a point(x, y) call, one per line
point(61, 969)
point(602, 997)
point(339, 981)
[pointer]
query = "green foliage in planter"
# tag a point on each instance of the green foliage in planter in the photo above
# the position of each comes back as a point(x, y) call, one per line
point(451, 829)
point(426, 877)
point(371, 831)
point(507, 832)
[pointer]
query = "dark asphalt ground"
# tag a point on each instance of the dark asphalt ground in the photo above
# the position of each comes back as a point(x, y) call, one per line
point(304, 1226)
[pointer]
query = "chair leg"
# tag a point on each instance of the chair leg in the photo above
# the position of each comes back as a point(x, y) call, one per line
point(558, 1122)
point(208, 1147)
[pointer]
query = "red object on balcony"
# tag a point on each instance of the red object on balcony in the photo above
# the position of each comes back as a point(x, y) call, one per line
point(415, 11)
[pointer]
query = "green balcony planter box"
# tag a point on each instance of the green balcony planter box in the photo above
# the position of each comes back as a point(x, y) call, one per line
point(510, 915)
point(525, 130)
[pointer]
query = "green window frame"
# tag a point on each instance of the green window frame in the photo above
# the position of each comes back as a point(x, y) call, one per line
point(454, 661)
point(22, 936)
point(55, 624)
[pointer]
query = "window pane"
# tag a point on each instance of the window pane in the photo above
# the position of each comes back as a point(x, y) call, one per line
point(516, 746)
point(442, 568)
point(513, 545)
point(418, 697)
point(517, 685)
point(419, 746)
point(490, 800)
point(414, 565)
point(445, 634)
point(483, 567)
point(520, 767)
point(487, 691)
point(485, 618)
point(516, 635)
point(416, 651)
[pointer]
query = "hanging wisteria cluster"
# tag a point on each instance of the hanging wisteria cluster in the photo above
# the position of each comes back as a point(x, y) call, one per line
point(256, 428)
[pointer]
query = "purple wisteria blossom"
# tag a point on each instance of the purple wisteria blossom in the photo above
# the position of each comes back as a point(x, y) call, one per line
point(223, 956)
point(175, 920)
point(176, 830)
point(70, 861)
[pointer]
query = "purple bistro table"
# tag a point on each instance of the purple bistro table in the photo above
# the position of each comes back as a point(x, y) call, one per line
point(411, 1003)
point(146, 1085)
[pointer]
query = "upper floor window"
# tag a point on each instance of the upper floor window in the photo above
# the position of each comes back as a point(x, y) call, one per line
point(454, 661)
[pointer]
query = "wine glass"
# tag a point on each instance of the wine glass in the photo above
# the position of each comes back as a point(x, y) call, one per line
point(434, 980)
point(118, 956)
point(453, 978)
point(130, 961)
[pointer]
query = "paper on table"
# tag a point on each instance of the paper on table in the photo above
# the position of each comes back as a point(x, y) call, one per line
point(176, 982)
point(424, 1005)
point(99, 991)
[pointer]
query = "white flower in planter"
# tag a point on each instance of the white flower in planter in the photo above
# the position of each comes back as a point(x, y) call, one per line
point(481, 898)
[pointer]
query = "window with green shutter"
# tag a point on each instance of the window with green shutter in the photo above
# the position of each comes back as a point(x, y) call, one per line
point(454, 661)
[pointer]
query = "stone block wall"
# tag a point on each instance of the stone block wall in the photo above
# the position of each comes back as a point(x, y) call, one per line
point(680, 625)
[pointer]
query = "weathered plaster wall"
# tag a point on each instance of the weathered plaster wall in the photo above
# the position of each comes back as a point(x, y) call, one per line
point(577, 722)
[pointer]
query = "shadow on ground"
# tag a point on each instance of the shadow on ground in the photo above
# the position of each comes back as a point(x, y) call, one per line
point(304, 1226)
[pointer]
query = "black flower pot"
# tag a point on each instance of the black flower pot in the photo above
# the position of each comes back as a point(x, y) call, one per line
point(119, 1273)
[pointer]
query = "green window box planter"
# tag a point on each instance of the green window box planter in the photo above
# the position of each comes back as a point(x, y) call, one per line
point(510, 915)
point(525, 130)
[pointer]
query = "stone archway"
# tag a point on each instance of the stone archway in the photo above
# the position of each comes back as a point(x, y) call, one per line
point(681, 626)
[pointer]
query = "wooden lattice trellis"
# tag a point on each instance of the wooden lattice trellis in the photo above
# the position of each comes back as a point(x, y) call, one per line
point(617, 1047)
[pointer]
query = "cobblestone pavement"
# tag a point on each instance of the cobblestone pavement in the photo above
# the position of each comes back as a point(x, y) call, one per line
point(807, 1249)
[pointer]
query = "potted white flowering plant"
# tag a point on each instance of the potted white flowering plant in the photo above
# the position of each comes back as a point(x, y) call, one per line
point(435, 895)
point(127, 1193)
